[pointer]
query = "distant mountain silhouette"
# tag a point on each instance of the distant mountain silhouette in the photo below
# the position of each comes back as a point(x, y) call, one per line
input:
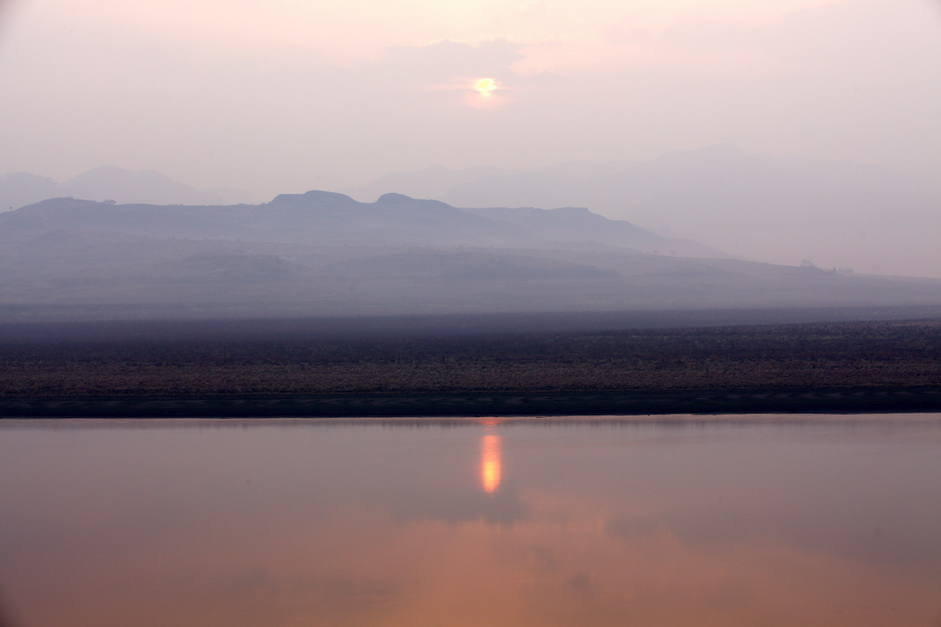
point(323, 253)
point(326, 218)
point(106, 182)
point(778, 210)
point(146, 186)
point(21, 188)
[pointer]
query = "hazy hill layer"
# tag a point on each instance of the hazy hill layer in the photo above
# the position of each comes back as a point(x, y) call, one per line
point(106, 182)
point(326, 218)
point(322, 253)
point(835, 214)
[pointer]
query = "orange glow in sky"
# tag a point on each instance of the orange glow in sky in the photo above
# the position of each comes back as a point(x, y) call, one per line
point(490, 463)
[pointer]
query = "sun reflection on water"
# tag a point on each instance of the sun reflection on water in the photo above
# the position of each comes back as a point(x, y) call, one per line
point(490, 463)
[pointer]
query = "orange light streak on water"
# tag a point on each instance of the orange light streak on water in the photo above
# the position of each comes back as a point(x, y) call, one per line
point(490, 463)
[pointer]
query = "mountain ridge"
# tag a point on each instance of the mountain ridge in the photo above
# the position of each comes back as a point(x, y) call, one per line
point(332, 218)
point(326, 254)
point(759, 207)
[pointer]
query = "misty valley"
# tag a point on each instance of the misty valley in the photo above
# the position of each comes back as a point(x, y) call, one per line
point(279, 307)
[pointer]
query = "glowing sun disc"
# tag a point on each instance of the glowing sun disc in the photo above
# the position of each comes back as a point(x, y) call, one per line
point(485, 87)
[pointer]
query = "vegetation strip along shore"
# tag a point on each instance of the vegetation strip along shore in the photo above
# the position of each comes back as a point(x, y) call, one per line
point(293, 371)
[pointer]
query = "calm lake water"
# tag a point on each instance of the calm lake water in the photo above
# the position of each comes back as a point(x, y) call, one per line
point(750, 521)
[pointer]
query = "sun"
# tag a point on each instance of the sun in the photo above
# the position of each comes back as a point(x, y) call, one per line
point(485, 87)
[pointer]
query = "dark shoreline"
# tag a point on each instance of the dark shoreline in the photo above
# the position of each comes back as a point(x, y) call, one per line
point(485, 404)
point(412, 368)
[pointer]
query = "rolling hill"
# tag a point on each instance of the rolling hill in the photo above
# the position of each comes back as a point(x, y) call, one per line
point(323, 253)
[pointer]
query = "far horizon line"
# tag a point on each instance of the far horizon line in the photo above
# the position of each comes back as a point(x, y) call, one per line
point(350, 189)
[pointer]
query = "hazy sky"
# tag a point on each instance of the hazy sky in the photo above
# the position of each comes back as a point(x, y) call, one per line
point(290, 95)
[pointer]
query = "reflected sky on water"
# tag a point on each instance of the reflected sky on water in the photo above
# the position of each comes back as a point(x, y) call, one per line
point(481, 522)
